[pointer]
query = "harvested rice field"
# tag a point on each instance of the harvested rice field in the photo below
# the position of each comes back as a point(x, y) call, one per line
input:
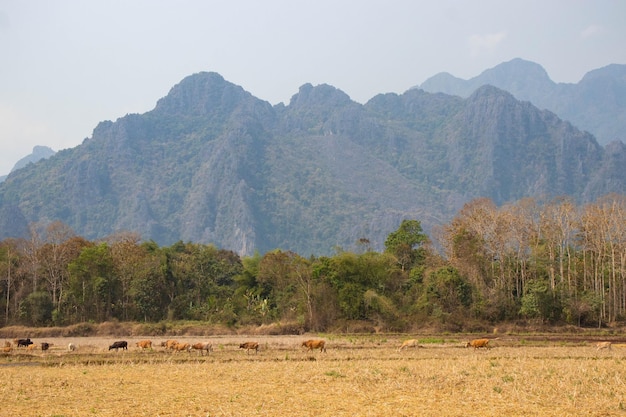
point(356, 376)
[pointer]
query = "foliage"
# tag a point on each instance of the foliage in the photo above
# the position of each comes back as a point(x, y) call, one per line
point(212, 164)
point(542, 263)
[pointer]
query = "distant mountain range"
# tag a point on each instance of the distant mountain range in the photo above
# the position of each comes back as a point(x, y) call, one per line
point(596, 104)
point(211, 163)
point(39, 153)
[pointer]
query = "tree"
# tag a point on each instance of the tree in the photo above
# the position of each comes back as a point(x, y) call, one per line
point(128, 258)
point(278, 271)
point(404, 243)
point(8, 266)
point(36, 309)
point(61, 247)
point(94, 288)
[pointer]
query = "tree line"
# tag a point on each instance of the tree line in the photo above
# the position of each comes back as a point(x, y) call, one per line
point(552, 262)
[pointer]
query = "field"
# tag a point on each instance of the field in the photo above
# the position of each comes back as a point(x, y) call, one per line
point(357, 376)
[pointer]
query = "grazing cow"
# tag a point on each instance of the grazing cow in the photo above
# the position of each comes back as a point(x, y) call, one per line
point(32, 347)
point(315, 344)
point(603, 345)
point(248, 346)
point(45, 345)
point(7, 349)
point(71, 347)
point(144, 344)
point(122, 344)
point(478, 343)
point(409, 343)
point(169, 344)
point(182, 346)
point(23, 342)
point(202, 347)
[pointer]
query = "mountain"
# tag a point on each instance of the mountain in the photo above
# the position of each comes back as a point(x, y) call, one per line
point(213, 164)
point(596, 104)
point(39, 153)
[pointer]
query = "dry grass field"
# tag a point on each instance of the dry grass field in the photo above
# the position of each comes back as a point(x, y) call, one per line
point(357, 376)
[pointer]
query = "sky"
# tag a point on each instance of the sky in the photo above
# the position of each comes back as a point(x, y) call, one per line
point(66, 65)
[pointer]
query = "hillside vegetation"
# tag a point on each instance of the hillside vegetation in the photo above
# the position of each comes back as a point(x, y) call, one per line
point(595, 104)
point(540, 264)
point(212, 164)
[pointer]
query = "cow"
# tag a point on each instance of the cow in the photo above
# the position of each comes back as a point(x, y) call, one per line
point(248, 346)
point(144, 344)
point(603, 345)
point(71, 347)
point(409, 343)
point(179, 347)
point(31, 347)
point(315, 344)
point(121, 344)
point(478, 343)
point(23, 342)
point(45, 345)
point(202, 347)
point(7, 349)
point(169, 344)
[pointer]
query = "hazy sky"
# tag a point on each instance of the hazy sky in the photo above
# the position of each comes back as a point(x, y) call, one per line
point(66, 65)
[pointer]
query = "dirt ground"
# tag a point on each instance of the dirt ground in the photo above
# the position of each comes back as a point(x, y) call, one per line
point(356, 376)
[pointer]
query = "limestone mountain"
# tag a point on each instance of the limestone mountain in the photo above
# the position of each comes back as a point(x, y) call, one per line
point(211, 163)
point(596, 104)
point(39, 153)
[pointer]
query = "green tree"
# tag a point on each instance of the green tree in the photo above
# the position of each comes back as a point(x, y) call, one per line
point(95, 291)
point(36, 309)
point(148, 287)
point(405, 243)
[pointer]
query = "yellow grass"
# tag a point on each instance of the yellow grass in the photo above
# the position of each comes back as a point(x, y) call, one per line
point(358, 376)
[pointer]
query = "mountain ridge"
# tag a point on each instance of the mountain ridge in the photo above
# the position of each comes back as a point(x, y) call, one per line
point(314, 175)
point(596, 103)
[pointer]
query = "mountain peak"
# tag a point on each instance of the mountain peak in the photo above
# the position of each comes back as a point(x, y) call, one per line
point(39, 153)
point(518, 68)
point(610, 71)
point(201, 93)
point(595, 104)
point(321, 94)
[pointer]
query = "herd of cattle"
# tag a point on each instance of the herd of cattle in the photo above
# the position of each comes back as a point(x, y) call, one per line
point(202, 347)
point(26, 343)
point(172, 345)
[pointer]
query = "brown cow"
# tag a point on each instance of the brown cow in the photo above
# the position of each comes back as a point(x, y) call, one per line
point(169, 344)
point(179, 347)
point(603, 345)
point(7, 349)
point(315, 344)
point(409, 343)
point(202, 347)
point(248, 346)
point(45, 345)
point(144, 344)
point(479, 343)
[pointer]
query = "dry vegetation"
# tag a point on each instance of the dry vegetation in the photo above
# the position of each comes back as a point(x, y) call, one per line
point(358, 376)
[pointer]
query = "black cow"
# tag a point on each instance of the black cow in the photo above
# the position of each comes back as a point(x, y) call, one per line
point(122, 344)
point(24, 342)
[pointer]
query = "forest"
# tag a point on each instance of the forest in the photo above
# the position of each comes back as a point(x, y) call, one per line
point(551, 263)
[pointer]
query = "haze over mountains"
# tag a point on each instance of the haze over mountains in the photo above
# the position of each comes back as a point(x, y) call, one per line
point(39, 153)
point(596, 104)
point(211, 163)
